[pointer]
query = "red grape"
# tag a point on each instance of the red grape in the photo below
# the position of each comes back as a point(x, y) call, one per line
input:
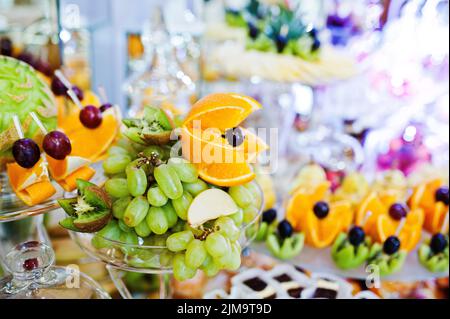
point(58, 87)
point(26, 152)
point(57, 145)
point(78, 92)
point(91, 117)
point(6, 46)
point(105, 106)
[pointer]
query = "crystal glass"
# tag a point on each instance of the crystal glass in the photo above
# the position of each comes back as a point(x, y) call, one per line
point(120, 256)
point(34, 277)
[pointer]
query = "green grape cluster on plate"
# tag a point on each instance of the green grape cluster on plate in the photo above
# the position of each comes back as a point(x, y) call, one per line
point(159, 201)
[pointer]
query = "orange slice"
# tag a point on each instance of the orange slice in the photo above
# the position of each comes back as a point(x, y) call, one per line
point(343, 211)
point(321, 233)
point(70, 182)
point(435, 219)
point(227, 175)
point(409, 236)
point(222, 110)
point(32, 185)
point(298, 206)
point(373, 205)
point(92, 143)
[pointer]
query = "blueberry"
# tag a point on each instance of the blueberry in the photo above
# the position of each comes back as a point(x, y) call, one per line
point(356, 236)
point(281, 42)
point(321, 210)
point(285, 229)
point(398, 211)
point(235, 136)
point(269, 216)
point(438, 243)
point(253, 30)
point(316, 45)
point(442, 195)
point(391, 245)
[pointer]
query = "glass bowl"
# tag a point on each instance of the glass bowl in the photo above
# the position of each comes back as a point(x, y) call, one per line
point(154, 259)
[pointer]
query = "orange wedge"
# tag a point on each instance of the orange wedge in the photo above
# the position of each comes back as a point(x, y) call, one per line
point(410, 235)
point(435, 219)
point(222, 110)
point(321, 233)
point(371, 204)
point(297, 207)
point(32, 185)
point(227, 175)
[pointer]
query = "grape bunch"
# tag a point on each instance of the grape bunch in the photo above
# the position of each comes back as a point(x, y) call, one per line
point(151, 193)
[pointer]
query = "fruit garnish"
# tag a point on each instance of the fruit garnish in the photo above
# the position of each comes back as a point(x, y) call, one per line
point(398, 211)
point(6, 46)
point(438, 243)
point(105, 107)
point(391, 245)
point(89, 212)
point(31, 264)
point(282, 242)
point(26, 152)
point(58, 87)
point(91, 116)
point(269, 216)
point(57, 145)
point(356, 236)
point(443, 195)
point(226, 175)
point(155, 128)
point(23, 91)
point(78, 92)
point(321, 210)
point(209, 205)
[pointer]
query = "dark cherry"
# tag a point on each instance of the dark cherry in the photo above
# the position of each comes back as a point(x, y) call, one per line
point(321, 210)
point(105, 107)
point(6, 46)
point(235, 136)
point(78, 92)
point(391, 245)
point(91, 117)
point(269, 216)
point(31, 264)
point(26, 152)
point(438, 243)
point(285, 229)
point(58, 87)
point(57, 145)
point(44, 67)
point(442, 195)
point(356, 236)
point(398, 211)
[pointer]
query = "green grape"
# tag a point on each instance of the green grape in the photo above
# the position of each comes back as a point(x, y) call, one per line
point(230, 261)
point(157, 221)
point(129, 238)
point(117, 187)
point(156, 197)
point(168, 181)
point(156, 240)
point(195, 253)
point(185, 170)
point(116, 164)
point(181, 271)
point(111, 231)
point(124, 227)
point(196, 231)
point(178, 241)
point(120, 175)
point(182, 205)
point(179, 226)
point(137, 181)
point(156, 150)
point(256, 193)
point(136, 211)
point(166, 258)
point(119, 206)
point(241, 195)
point(138, 163)
point(250, 212)
point(217, 245)
point(171, 215)
point(142, 229)
point(238, 217)
point(196, 187)
point(209, 267)
point(117, 150)
point(227, 227)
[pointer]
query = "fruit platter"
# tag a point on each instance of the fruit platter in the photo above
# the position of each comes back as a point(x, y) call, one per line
point(396, 225)
point(156, 211)
point(48, 126)
point(274, 45)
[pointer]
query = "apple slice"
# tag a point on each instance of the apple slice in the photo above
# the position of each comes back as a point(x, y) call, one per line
point(210, 204)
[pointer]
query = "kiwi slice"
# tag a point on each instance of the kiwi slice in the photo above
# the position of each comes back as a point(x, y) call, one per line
point(68, 206)
point(92, 222)
point(155, 128)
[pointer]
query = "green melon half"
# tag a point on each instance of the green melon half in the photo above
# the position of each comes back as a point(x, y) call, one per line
point(22, 91)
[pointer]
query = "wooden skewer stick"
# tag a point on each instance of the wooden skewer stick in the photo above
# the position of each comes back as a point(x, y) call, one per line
point(400, 227)
point(102, 94)
point(39, 123)
point(18, 127)
point(445, 224)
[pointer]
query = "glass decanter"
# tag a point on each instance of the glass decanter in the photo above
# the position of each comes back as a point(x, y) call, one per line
point(163, 83)
point(33, 276)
